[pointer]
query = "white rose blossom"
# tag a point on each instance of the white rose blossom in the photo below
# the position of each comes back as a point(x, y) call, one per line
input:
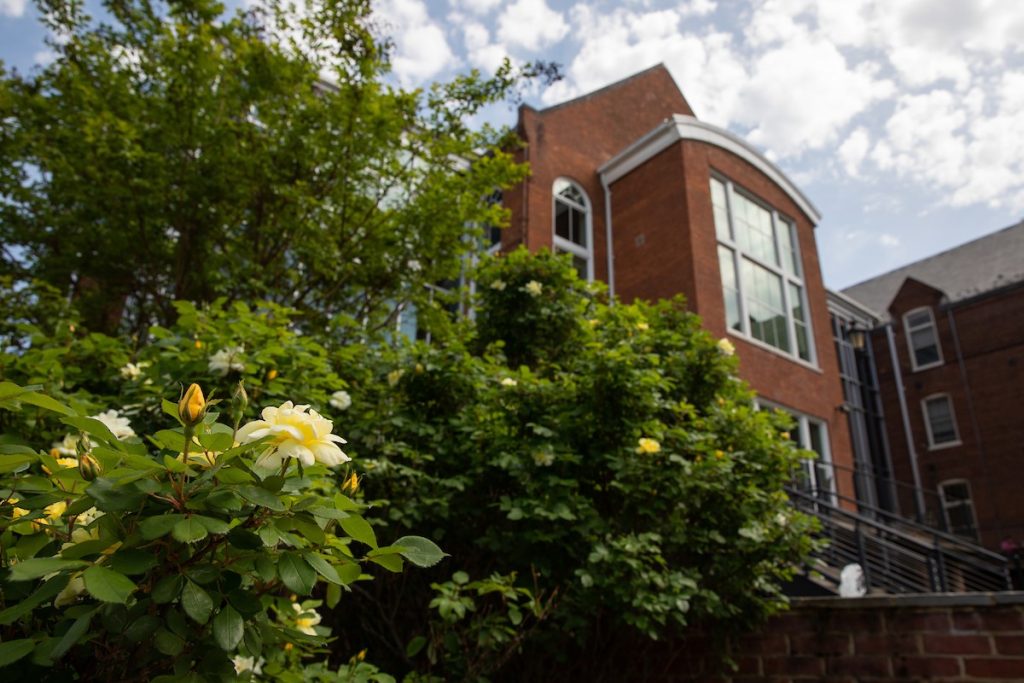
point(296, 432)
point(243, 664)
point(226, 360)
point(533, 288)
point(119, 426)
point(305, 619)
point(341, 400)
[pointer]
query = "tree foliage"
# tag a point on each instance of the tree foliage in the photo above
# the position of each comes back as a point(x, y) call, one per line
point(175, 151)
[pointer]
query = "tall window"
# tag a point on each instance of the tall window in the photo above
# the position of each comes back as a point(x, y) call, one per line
point(817, 476)
point(572, 226)
point(957, 508)
point(940, 421)
point(919, 326)
point(761, 276)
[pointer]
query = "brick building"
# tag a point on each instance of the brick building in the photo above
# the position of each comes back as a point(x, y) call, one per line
point(949, 349)
point(655, 202)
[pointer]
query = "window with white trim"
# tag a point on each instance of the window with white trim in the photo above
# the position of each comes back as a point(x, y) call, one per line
point(940, 421)
point(761, 275)
point(922, 338)
point(817, 476)
point(573, 233)
point(958, 508)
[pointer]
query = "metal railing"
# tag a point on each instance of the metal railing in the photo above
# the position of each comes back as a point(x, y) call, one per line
point(896, 559)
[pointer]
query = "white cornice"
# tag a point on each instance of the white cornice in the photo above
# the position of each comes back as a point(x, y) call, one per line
point(681, 127)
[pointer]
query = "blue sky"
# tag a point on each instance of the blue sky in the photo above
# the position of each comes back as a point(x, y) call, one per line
point(902, 120)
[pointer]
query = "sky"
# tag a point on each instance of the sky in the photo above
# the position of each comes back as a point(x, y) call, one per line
point(901, 120)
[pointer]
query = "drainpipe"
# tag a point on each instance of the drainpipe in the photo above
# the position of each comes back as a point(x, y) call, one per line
point(898, 374)
point(608, 238)
point(974, 427)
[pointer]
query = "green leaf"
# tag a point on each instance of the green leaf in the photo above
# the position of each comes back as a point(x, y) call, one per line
point(10, 463)
point(172, 463)
point(73, 635)
point(13, 650)
point(393, 563)
point(420, 551)
point(171, 439)
point(196, 602)
point(107, 585)
point(414, 646)
point(333, 596)
point(42, 594)
point(26, 570)
point(262, 497)
point(359, 529)
point(189, 530)
point(349, 572)
point(95, 428)
point(266, 569)
point(110, 497)
point(155, 527)
point(168, 643)
point(132, 561)
point(244, 539)
point(328, 513)
point(296, 573)
point(252, 641)
point(247, 604)
point(44, 401)
point(170, 408)
point(142, 628)
point(213, 525)
point(228, 628)
point(323, 568)
point(167, 589)
point(217, 441)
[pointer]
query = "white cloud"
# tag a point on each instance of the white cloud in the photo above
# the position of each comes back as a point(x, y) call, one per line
point(480, 51)
point(853, 150)
point(421, 49)
point(888, 240)
point(697, 8)
point(800, 95)
point(44, 57)
point(531, 25)
point(12, 8)
point(475, 6)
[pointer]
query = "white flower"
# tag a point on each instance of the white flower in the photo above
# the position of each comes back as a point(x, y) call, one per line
point(296, 433)
point(498, 285)
point(226, 360)
point(726, 347)
point(508, 382)
point(132, 371)
point(87, 517)
point(414, 265)
point(68, 446)
point(305, 619)
point(243, 664)
point(543, 458)
point(341, 400)
point(75, 587)
point(533, 288)
point(119, 426)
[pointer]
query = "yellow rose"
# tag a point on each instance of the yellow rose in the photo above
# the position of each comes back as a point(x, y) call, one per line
point(192, 406)
point(648, 446)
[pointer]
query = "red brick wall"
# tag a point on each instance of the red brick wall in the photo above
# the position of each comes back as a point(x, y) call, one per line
point(987, 406)
point(883, 639)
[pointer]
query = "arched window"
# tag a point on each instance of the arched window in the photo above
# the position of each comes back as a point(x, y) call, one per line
point(573, 232)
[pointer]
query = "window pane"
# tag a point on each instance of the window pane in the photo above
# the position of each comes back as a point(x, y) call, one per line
point(563, 218)
point(786, 245)
point(919, 318)
point(579, 228)
point(754, 229)
point(720, 208)
point(940, 420)
point(765, 310)
point(926, 350)
point(730, 289)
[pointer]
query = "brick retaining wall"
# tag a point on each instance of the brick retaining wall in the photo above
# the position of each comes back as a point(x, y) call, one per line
point(950, 637)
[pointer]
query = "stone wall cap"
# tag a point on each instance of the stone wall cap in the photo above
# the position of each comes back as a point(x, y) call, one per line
point(912, 600)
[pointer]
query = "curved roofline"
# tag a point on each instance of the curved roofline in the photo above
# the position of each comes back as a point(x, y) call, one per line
point(681, 127)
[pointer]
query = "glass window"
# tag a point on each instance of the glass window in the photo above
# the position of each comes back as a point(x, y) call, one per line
point(572, 226)
point(958, 508)
point(940, 421)
point(816, 477)
point(767, 301)
point(923, 339)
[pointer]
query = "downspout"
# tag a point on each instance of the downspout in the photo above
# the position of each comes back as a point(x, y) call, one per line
point(974, 425)
point(898, 374)
point(608, 239)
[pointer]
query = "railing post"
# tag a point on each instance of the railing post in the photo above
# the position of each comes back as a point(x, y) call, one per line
point(862, 555)
point(940, 566)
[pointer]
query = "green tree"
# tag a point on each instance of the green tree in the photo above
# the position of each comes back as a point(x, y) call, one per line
point(175, 151)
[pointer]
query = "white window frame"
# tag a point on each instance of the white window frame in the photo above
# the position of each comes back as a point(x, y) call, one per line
point(932, 446)
point(803, 427)
point(946, 506)
point(560, 244)
point(907, 330)
point(788, 278)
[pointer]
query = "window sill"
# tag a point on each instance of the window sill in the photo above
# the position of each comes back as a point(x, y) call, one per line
point(944, 446)
point(919, 368)
point(778, 352)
